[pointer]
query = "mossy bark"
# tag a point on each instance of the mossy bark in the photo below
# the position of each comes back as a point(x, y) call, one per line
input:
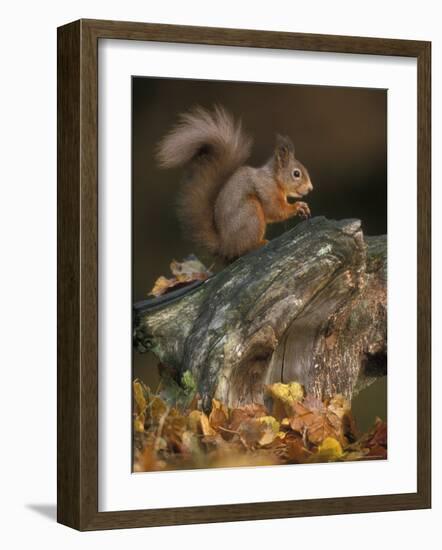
point(310, 306)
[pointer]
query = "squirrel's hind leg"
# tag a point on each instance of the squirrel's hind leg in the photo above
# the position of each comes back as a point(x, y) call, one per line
point(242, 229)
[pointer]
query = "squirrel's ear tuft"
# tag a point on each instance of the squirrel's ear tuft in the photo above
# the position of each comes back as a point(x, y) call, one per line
point(284, 149)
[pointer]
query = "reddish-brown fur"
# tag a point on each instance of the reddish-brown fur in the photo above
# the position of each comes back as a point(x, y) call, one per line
point(224, 205)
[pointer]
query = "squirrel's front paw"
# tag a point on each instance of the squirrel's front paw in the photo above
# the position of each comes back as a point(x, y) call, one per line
point(303, 210)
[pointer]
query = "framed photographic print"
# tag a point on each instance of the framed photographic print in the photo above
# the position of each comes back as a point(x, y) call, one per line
point(243, 275)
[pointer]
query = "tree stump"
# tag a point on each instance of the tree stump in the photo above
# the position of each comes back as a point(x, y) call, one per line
point(310, 306)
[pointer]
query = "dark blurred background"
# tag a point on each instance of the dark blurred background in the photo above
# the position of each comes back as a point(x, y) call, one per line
point(340, 134)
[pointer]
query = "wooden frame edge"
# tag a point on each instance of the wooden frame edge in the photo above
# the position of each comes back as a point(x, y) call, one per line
point(77, 355)
point(424, 272)
point(68, 275)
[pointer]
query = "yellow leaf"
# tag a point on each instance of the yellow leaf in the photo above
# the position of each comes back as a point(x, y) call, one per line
point(285, 396)
point(205, 426)
point(157, 409)
point(271, 422)
point(330, 449)
point(271, 429)
point(194, 421)
point(162, 285)
point(140, 400)
point(219, 415)
point(286, 393)
point(139, 423)
point(173, 427)
point(219, 406)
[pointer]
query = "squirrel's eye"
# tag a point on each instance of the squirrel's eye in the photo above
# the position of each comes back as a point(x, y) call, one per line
point(296, 173)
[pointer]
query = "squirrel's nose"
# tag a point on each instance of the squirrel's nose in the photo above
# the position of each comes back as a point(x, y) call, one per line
point(310, 186)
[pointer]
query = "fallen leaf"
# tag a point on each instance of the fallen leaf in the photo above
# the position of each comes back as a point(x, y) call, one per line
point(271, 429)
point(146, 460)
point(284, 397)
point(173, 428)
point(205, 425)
point(185, 272)
point(189, 267)
point(162, 285)
point(169, 436)
point(378, 435)
point(219, 415)
point(139, 396)
point(250, 432)
point(377, 451)
point(295, 452)
point(252, 410)
point(139, 423)
point(317, 420)
point(194, 421)
point(156, 409)
point(329, 450)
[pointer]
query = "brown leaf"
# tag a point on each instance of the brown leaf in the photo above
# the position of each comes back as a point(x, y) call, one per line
point(295, 452)
point(320, 429)
point(139, 391)
point(194, 421)
point(376, 440)
point(318, 421)
point(252, 410)
point(162, 285)
point(173, 428)
point(377, 451)
point(146, 460)
point(250, 432)
point(302, 418)
point(219, 416)
point(185, 272)
point(378, 435)
point(156, 409)
point(205, 426)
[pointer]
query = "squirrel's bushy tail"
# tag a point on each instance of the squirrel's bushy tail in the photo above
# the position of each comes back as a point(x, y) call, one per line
point(213, 147)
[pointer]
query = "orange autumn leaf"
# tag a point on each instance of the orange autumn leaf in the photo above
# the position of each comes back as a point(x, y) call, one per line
point(219, 416)
point(319, 420)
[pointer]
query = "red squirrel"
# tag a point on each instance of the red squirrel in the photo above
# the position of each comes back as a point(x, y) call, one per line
point(225, 205)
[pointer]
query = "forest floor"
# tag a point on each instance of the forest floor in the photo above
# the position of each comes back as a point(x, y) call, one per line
point(172, 432)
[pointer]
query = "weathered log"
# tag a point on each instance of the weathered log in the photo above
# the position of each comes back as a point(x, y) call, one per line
point(310, 306)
